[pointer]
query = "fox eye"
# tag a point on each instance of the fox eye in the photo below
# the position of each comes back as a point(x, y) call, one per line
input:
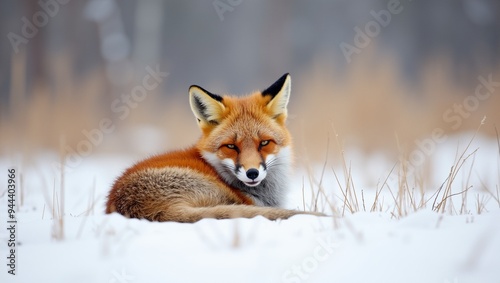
point(231, 146)
point(264, 143)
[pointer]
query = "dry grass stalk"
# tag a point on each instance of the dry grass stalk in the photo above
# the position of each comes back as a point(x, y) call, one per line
point(455, 169)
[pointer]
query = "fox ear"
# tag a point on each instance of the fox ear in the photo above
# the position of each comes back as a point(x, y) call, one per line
point(279, 93)
point(207, 107)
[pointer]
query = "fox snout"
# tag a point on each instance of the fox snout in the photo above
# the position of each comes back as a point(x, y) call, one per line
point(252, 176)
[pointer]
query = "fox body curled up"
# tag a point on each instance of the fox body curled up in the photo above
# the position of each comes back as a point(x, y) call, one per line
point(238, 168)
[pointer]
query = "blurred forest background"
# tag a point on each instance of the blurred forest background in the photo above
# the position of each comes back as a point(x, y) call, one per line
point(65, 65)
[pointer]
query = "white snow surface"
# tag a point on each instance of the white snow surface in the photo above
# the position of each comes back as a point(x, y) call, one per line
point(424, 246)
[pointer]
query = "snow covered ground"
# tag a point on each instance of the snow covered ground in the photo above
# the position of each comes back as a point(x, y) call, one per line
point(88, 246)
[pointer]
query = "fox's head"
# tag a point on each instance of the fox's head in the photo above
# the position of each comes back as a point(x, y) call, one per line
point(245, 138)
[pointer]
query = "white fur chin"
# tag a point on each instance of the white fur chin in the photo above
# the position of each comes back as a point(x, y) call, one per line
point(255, 184)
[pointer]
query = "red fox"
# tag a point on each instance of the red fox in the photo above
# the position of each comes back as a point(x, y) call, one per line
point(238, 168)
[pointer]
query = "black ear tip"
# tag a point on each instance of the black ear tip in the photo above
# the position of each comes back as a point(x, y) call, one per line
point(194, 86)
point(212, 95)
point(275, 88)
point(283, 78)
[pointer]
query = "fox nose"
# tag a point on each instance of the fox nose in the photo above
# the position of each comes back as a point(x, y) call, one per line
point(252, 173)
